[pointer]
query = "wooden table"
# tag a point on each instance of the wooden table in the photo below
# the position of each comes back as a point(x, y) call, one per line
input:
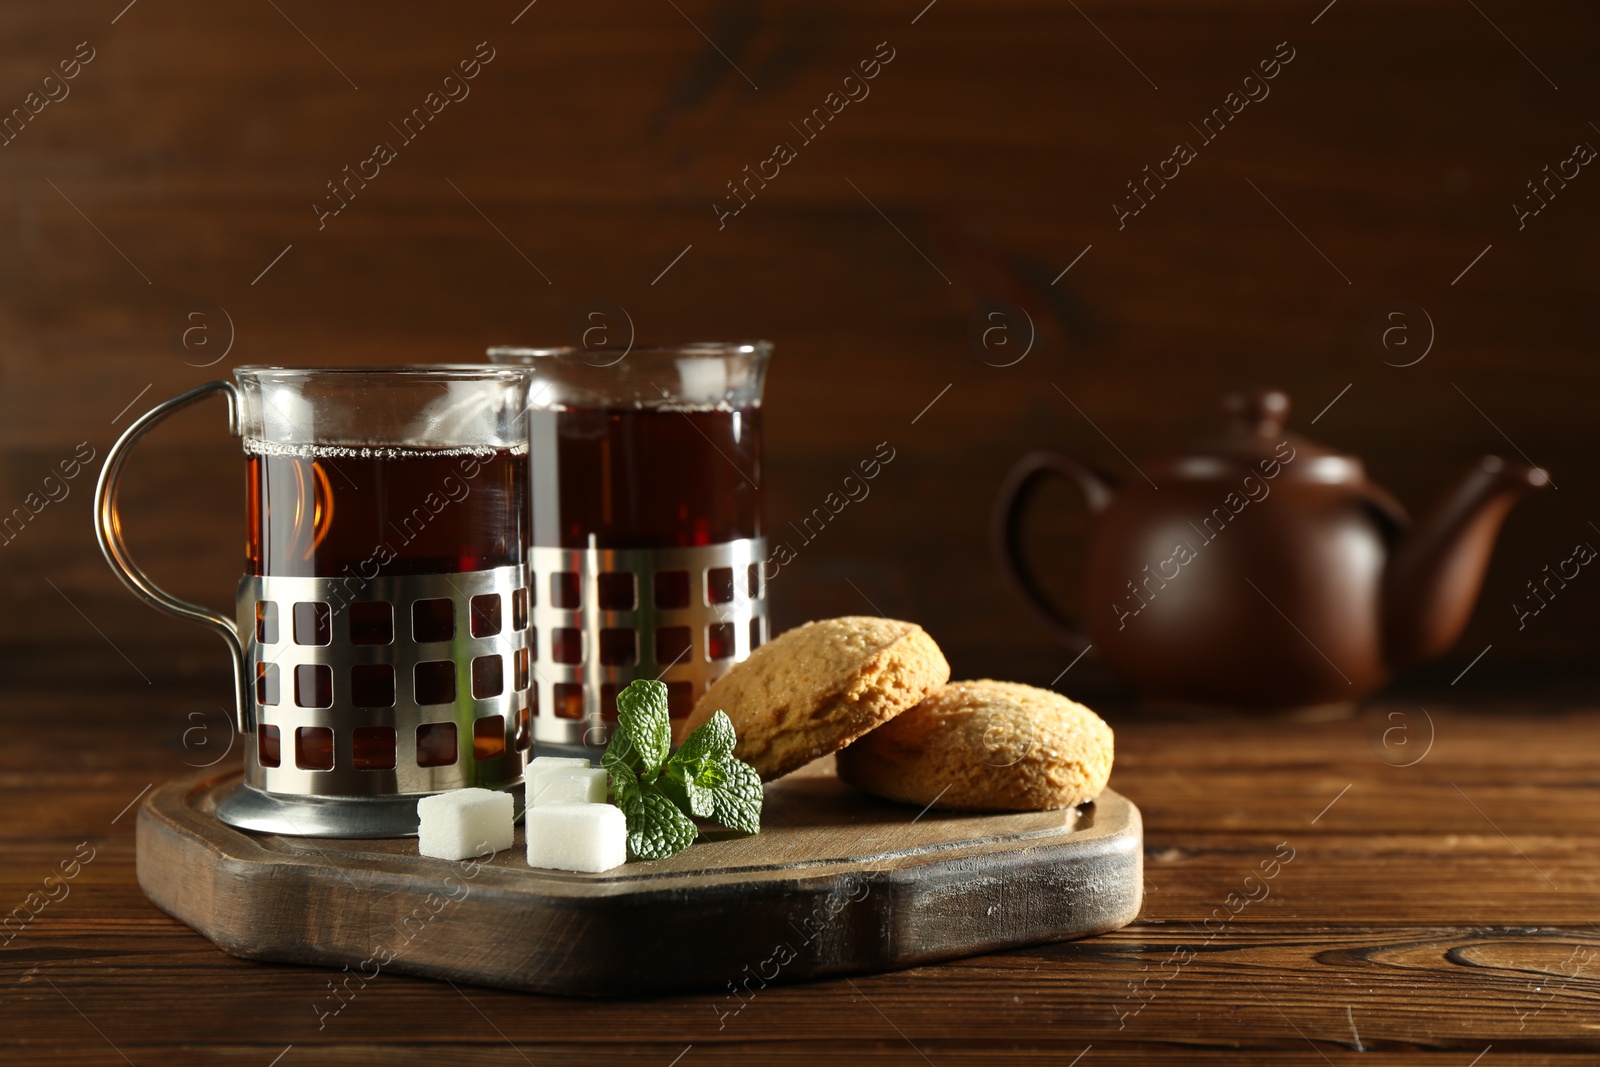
point(1424, 896)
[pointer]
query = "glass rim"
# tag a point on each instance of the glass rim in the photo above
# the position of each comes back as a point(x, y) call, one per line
point(679, 350)
point(438, 372)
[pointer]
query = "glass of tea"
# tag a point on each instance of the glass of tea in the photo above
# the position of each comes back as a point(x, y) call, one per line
point(380, 637)
point(647, 541)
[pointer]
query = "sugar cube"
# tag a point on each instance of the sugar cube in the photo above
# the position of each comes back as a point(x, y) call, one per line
point(465, 822)
point(568, 785)
point(539, 762)
point(577, 837)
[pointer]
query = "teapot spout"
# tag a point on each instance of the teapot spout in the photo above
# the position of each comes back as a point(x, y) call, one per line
point(1434, 574)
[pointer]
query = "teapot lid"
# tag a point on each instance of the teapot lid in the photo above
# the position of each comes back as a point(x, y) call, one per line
point(1253, 441)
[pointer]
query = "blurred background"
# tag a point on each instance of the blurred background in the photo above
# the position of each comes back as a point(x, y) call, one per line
point(166, 214)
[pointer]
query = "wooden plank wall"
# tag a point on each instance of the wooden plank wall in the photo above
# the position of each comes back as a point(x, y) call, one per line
point(177, 172)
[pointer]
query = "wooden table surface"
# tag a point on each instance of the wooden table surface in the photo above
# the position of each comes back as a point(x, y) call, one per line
point(1432, 888)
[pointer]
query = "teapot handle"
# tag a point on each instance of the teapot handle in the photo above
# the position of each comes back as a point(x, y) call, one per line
point(1011, 508)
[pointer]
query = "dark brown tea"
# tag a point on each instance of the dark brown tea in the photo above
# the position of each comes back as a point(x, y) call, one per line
point(646, 477)
point(331, 511)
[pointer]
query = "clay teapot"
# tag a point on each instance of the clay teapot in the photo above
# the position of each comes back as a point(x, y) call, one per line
point(1261, 568)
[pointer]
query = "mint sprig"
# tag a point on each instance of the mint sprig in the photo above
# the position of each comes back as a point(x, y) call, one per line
point(657, 829)
point(661, 795)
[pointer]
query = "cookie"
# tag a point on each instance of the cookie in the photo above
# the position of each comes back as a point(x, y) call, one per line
point(813, 690)
point(985, 746)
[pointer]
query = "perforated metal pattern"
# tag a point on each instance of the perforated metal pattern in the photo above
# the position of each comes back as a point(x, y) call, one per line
point(603, 617)
point(322, 641)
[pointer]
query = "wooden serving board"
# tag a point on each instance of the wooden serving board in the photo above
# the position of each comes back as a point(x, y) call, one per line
point(835, 883)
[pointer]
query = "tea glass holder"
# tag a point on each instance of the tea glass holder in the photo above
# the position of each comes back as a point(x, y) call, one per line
point(660, 603)
point(359, 693)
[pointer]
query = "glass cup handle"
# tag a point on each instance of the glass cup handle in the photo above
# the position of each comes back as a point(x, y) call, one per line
point(108, 532)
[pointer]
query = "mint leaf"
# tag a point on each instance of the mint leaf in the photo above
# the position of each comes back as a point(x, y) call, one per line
point(712, 740)
point(736, 801)
point(620, 754)
point(690, 788)
point(694, 772)
point(687, 795)
point(702, 801)
point(657, 829)
point(642, 717)
point(711, 775)
point(624, 786)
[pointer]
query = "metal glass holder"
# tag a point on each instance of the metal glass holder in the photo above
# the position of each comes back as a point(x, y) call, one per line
point(368, 694)
point(345, 732)
point(604, 617)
